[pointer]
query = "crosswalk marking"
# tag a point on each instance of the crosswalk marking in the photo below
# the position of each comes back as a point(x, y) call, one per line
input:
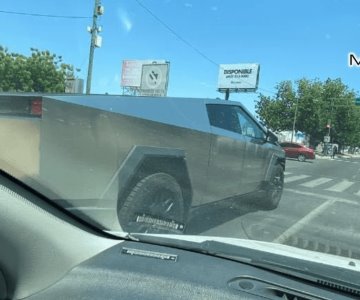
point(334, 185)
point(316, 182)
point(295, 178)
point(340, 186)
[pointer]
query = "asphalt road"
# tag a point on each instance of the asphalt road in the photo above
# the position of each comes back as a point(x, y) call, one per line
point(319, 210)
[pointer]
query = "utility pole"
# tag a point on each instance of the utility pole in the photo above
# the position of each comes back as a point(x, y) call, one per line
point(295, 116)
point(95, 41)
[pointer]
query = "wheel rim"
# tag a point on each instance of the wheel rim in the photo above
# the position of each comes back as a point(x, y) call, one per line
point(163, 208)
point(301, 157)
point(277, 184)
point(165, 203)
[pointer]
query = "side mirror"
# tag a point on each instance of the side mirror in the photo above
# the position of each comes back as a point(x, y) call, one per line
point(271, 137)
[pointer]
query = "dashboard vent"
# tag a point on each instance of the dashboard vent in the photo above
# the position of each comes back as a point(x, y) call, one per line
point(290, 295)
point(339, 287)
point(269, 290)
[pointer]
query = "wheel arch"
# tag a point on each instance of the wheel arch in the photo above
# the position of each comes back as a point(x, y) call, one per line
point(144, 160)
point(274, 161)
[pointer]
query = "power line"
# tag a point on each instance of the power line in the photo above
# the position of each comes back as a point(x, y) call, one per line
point(178, 36)
point(42, 15)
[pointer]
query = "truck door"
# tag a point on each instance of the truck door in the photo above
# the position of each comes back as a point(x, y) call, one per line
point(258, 151)
point(228, 146)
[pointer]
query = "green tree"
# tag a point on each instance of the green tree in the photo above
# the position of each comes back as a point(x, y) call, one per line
point(42, 71)
point(277, 113)
point(318, 104)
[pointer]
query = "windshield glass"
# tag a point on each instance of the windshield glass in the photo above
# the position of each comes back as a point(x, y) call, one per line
point(232, 119)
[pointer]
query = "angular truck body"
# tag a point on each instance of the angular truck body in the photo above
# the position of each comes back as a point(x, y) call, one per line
point(141, 163)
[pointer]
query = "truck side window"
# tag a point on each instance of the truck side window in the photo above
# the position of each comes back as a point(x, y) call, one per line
point(249, 126)
point(224, 116)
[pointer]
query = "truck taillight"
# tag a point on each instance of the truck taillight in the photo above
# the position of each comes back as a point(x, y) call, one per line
point(36, 107)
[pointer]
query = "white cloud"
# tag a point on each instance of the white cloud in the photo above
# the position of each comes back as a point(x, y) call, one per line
point(188, 5)
point(126, 23)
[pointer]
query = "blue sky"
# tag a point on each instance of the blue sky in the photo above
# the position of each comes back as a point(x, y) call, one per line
point(289, 39)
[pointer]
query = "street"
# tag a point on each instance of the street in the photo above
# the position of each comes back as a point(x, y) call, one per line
point(319, 210)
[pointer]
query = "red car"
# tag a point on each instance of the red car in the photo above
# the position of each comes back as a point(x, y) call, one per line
point(298, 151)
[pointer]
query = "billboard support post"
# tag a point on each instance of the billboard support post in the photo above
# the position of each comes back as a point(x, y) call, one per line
point(227, 94)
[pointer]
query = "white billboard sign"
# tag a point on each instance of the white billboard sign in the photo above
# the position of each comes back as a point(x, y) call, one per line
point(132, 71)
point(154, 80)
point(238, 77)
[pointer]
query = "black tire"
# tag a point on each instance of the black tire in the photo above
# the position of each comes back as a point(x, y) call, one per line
point(274, 190)
point(301, 157)
point(154, 205)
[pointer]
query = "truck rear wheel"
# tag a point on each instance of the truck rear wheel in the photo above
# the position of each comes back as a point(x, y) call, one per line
point(154, 205)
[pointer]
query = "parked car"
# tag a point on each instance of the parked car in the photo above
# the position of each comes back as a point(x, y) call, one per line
point(295, 150)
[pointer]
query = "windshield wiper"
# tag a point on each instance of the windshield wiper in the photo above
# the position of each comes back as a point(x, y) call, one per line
point(336, 278)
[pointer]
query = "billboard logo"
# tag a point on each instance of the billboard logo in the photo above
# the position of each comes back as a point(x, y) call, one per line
point(237, 71)
point(353, 60)
point(154, 78)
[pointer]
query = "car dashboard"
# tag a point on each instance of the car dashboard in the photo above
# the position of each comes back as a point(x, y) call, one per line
point(134, 270)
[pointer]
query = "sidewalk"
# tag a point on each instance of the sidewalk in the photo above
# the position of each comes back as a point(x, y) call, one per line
point(339, 155)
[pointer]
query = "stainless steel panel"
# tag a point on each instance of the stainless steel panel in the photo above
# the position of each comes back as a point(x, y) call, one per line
point(82, 147)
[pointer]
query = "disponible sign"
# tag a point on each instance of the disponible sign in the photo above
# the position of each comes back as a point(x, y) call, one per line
point(238, 77)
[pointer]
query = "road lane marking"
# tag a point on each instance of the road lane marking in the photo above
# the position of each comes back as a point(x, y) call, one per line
point(295, 178)
point(325, 197)
point(287, 173)
point(316, 182)
point(358, 193)
point(299, 225)
point(341, 186)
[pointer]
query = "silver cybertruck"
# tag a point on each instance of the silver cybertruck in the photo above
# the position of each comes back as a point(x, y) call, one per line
point(140, 164)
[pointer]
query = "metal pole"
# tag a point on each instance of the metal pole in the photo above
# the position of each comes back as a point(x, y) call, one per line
point(92, 47)
point(294, 122)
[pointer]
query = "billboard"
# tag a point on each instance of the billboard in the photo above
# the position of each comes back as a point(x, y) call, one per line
point(132, 71)
point(154, 80)
point(238, 77)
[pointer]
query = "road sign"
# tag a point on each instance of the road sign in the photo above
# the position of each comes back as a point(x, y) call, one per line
point(326, 139)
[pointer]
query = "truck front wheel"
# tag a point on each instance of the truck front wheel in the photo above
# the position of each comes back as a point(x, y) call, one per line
point(154, 205)
point(274, 189)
